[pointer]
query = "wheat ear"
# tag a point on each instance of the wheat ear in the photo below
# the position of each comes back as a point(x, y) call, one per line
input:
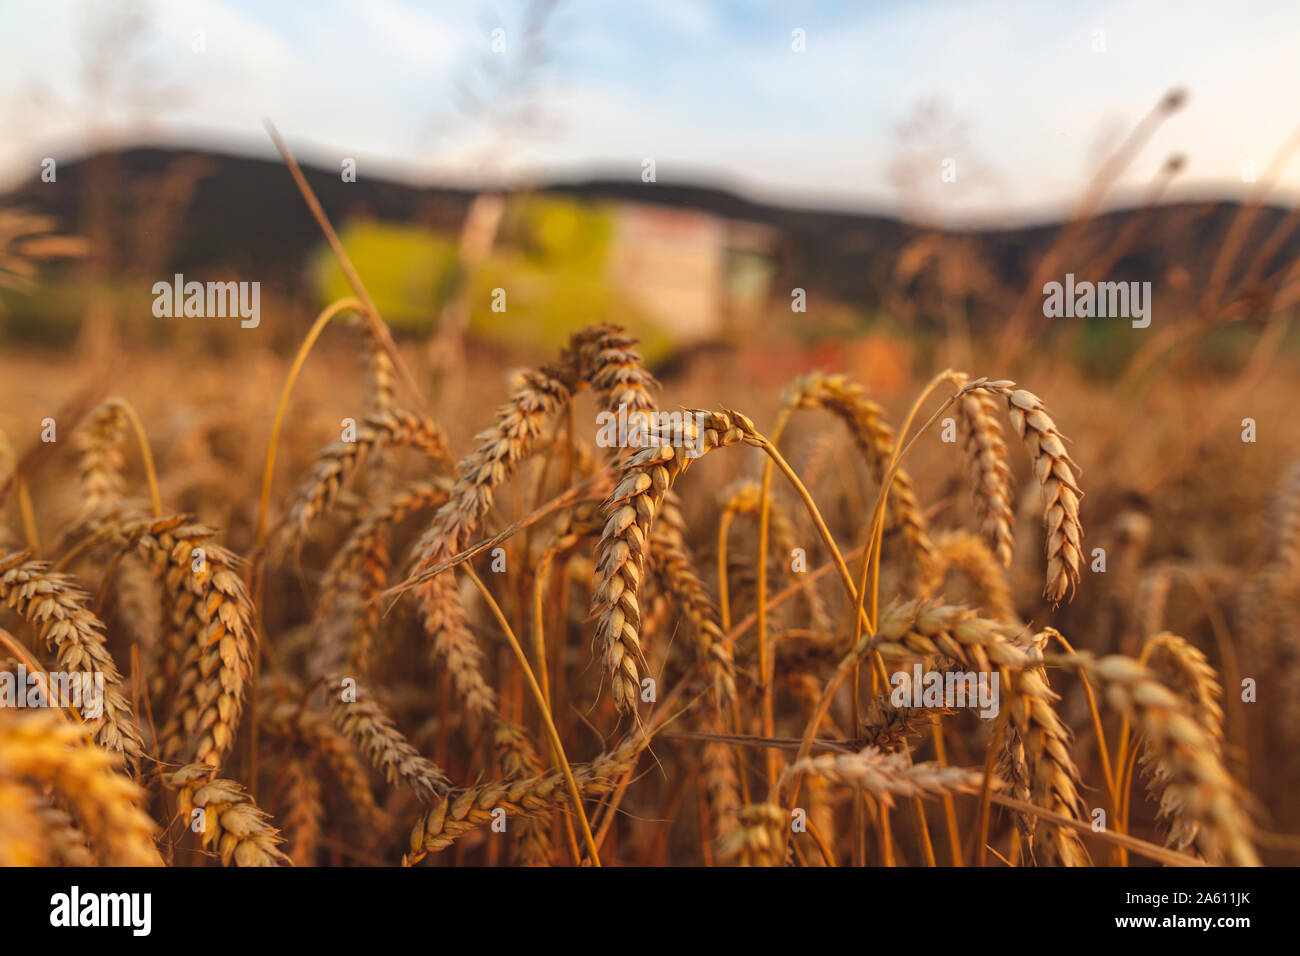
point(757, 838)
point(341, 459)
point(519, 760)
point(1185, 670)
point(888, 775)
point(874, 437)
point(621, 552)
point(987, 453)
point(1197, 787)
point(41, 748)
point(303, 813)
point(930, 629)
point(317, 736)
point(227, 816)
point(211, 617)
point(361, 719)
point(348, 616)
point(101, 440)
point(677, 576)
point(1056, 474)
point(455, 813)
point(57, 607)
point(499, 450)
point(970, 554)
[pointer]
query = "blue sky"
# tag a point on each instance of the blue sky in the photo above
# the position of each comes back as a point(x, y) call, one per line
point(711, 91)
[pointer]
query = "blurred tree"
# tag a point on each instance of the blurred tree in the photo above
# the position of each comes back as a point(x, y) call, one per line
point(410, 271)
point(549, 262)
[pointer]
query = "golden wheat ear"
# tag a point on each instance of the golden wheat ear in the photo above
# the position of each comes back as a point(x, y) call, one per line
point(231, 824)
point(53, 603)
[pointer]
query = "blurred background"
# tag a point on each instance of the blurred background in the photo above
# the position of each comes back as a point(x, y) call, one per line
point(681, 170)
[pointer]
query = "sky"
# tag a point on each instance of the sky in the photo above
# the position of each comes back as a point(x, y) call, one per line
point(1024, 97)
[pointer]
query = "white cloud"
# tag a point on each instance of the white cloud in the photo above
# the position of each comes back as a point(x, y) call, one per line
point(688, 84)
point(414, 34)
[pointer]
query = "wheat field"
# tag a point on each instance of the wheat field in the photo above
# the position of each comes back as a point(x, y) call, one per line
point(349, 611)
point(338, 623)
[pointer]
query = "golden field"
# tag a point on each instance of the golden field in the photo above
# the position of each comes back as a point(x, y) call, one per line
point(355, 611)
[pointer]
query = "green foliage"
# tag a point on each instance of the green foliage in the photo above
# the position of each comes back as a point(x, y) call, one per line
point(409, 271)
point(551, 258)
point(48, 316)
point(1103, 347)
point(552, 264)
